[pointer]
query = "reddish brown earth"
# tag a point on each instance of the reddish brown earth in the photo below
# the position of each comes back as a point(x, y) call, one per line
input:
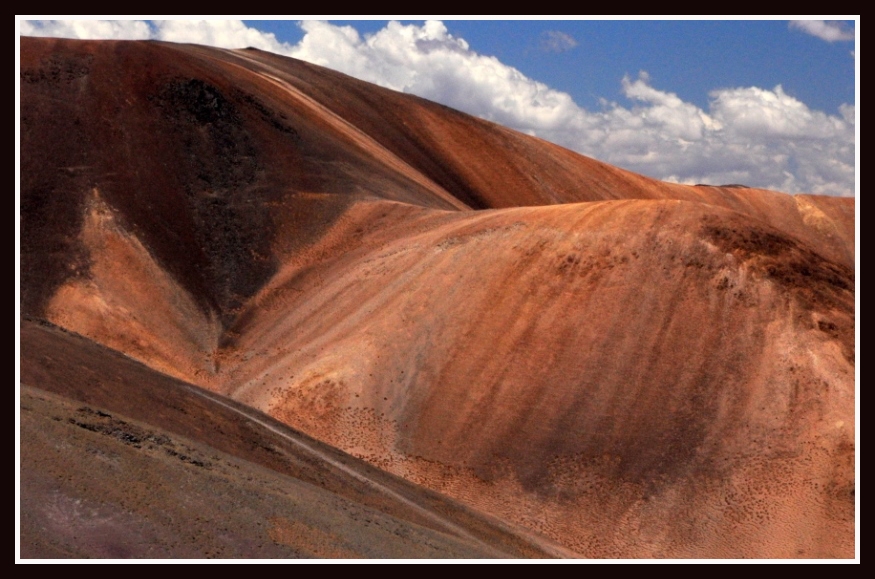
point(121, 461)
point(625, 367)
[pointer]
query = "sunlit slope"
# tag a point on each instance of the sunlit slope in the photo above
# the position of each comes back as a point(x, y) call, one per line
point(121, 461)
point(633, 368)
point(210, 157)
point(577, 367)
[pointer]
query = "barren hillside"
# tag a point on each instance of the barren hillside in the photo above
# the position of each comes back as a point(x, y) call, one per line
point(605, 364)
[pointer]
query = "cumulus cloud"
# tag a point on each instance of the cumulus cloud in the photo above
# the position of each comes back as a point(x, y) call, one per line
point(831, 31)
point(88, 29)
point(221, 33)
point(772, 114)
point(555, 41)
point(755, 136)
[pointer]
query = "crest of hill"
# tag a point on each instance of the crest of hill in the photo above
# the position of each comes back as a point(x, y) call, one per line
point(578, 349)
point(209, 156)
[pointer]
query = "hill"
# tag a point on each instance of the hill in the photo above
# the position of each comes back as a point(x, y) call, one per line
point(625, 367)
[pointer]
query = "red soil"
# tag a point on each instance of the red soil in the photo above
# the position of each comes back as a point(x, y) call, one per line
point(629, 367)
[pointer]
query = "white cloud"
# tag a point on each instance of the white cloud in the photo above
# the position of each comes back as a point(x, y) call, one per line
point(831, 31)
point(85, 29)
point(221, 33)
point(848, 113)
point(758, 113)
point(556, 41)
point(428, 61)
point(665, 111)
point(752, 136)
point(755, 136)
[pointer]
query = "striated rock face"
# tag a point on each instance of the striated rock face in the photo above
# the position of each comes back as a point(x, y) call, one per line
point(626, 367)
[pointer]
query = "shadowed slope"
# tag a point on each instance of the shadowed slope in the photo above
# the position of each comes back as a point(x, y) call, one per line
point(204, 171)
point(576, 366)
point(153, 467)
point(661, 370)
point(211, 158)
point(194, 153)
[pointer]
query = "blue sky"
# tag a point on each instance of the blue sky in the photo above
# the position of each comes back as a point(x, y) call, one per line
point(765, 103)
point(690, 58)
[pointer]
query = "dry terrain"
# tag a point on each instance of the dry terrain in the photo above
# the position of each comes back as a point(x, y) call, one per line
point(270, 310)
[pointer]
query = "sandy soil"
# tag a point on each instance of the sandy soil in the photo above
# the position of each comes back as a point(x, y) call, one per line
point(626, 367)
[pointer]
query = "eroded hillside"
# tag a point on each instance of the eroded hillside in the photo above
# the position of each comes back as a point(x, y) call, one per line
point(622, 366)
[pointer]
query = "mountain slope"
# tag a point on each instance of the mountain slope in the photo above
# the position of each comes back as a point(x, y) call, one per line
point(121, 461)
point(571, 347)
